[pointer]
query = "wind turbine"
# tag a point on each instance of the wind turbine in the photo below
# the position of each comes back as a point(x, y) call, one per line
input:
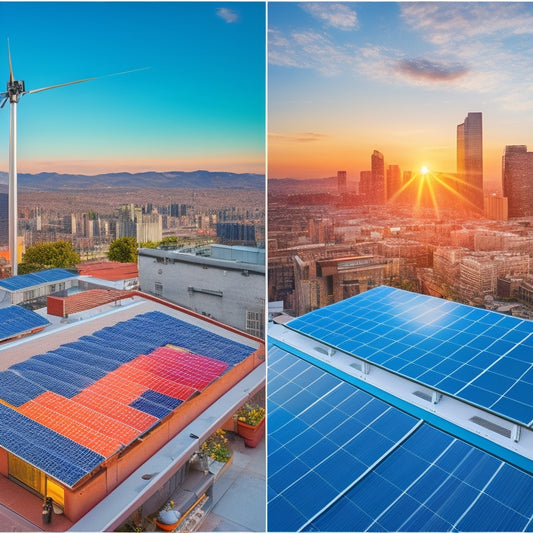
point(15, 90)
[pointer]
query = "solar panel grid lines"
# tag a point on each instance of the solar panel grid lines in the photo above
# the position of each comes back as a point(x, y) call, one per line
point(72, 365)
point(41, 446)
point(15, 320)
point(96, 420)
point(30, 280)
point(54, 371)
point(47, 382)
point(87, 355)
point(16, 389)
point(117, 410)
point(152, 381)
point(313, 429)
point(118, 388)
point(195, 372)
point(66, 426)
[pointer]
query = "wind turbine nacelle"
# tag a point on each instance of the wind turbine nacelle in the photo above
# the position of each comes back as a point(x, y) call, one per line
point(14, 90)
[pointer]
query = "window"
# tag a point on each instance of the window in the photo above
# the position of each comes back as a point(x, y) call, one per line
point(158, 289)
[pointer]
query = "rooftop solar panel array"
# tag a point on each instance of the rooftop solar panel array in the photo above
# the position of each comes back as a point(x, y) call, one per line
point(104, 390)
point(26, 281)
point(15, 320)
point(340, 459)
point(479, 356)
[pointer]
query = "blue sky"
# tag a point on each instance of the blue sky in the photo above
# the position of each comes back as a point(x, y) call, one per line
point(201, 104)
point(348, 78)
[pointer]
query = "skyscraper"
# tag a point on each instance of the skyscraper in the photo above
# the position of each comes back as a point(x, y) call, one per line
point(378, 178)
point(470, 160)
point(394, 180)
point(517, 179)
point(341, 181)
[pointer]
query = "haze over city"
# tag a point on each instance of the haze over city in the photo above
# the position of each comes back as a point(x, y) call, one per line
point(198, 105)
point(345, 79)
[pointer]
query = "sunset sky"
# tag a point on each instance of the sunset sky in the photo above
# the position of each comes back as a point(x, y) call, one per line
point(201, 104)
point(347, 78)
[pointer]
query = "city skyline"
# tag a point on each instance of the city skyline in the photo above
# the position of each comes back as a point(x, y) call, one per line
point(200, 104)
point(347, 79)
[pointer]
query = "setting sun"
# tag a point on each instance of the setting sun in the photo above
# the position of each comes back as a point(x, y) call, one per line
point(424, 170)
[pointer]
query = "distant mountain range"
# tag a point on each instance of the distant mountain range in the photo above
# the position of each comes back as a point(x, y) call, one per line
point(199, 179)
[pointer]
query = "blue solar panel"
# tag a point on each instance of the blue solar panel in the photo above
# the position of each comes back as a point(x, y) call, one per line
point(16, 389)
point(45, 449)
point(15, 320)
point(482, 356)
point(26, 281)
point(323, 426)
point(350, 462)
point(72, 365)
point(156, 404)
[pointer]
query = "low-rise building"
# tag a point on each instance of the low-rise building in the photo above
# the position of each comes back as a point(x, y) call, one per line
point(226, 283)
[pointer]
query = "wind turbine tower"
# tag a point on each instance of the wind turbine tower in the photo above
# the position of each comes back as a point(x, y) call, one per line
point(15, 90)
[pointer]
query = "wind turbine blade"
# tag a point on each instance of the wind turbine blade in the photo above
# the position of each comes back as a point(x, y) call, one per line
point(3, 103)
point(60, 85)
point(11, 77)
point(86, 79)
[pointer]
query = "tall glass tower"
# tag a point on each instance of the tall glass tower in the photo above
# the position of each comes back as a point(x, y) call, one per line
point(470, 160)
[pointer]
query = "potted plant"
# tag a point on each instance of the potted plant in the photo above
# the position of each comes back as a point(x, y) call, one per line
point(216, 447)
point(251, 424)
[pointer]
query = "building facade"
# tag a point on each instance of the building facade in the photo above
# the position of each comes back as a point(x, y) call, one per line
point(517, 176)
point(378, 178)
point(341, 182)
point(226, 283)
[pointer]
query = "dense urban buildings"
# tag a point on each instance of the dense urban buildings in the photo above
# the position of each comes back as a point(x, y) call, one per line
point(470, 160)
point(517, 178)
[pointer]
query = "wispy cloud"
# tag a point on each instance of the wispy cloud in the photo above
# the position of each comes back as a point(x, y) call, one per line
point(424, 69)
point(340, 16)
point(452, 22)
point(227, 14)
point(307, 49)
point(304, 137)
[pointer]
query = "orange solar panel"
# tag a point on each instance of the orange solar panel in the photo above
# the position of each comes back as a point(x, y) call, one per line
point(123, 413)
point(114, 386)
point(66, 426)
point(95, 420)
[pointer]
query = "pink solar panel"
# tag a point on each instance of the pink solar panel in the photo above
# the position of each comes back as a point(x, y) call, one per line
point(152, 381)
